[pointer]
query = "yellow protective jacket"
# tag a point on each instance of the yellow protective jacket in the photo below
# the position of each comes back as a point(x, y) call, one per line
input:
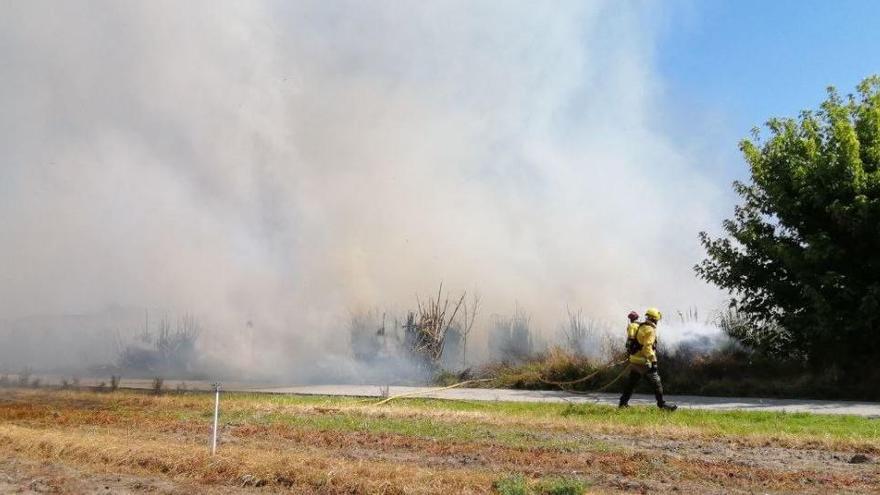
point(646, 334)
point(631, 330)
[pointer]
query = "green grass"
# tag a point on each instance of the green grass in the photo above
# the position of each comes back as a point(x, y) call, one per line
point(726, 423)
point(739, 423)
point(511, 485)
point(425, 427)
point(516, 484)
point(560, 486)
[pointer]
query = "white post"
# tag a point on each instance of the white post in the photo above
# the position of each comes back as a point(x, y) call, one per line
point(216, 415)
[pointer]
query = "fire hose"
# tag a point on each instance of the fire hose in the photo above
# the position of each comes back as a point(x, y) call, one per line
point(431, 390)
point(561, 385)
point(585, 378)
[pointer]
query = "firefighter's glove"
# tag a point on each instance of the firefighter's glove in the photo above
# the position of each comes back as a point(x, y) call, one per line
point(652, 367)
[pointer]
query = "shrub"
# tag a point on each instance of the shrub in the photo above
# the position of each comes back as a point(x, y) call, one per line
point(157, 385)
point(24, 377)
point(425, 333)
point(584, 336)
point(169, 350)
point(366, 331)
point(555, 365)
point(510, 337)
point(704, 366)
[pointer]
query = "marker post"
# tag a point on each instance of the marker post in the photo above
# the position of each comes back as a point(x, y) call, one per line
point(216, 416)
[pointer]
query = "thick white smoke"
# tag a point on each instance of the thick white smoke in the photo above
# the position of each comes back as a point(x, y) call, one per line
point(288, 162)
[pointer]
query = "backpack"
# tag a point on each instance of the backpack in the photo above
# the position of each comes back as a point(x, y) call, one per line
point(633, 345)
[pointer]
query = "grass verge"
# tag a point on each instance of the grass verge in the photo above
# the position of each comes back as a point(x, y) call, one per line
point(345, 445)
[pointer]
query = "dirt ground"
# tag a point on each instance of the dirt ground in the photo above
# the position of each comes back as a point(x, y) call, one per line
point(28, 476)
point(82, 442)
point(20, 475)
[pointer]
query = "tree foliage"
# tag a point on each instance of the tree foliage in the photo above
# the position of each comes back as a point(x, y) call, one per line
point(801, 255)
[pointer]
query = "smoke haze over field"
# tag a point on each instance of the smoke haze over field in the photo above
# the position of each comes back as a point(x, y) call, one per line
point(287, 163)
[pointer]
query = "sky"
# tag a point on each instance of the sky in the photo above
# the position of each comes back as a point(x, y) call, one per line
point(742, 62)
point(292, 163)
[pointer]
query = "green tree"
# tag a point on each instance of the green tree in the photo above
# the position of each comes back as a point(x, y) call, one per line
point(801, 255)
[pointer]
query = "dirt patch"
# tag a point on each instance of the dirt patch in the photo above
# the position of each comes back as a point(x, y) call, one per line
point(32, 477)
point(746, 454)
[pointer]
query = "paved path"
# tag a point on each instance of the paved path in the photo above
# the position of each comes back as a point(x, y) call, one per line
point(868, 409)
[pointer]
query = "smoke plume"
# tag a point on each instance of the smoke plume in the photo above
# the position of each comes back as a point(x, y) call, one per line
point(288, 163)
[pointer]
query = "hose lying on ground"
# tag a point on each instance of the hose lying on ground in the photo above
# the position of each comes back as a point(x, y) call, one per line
point(600, 389)
point(585, 378)
point(431, 390)
point(561, 385)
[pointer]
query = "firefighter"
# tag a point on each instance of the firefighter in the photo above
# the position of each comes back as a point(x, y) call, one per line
point(631, 329)
point(643, 361)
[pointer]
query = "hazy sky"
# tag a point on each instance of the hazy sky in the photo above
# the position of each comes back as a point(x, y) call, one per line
point(292, 161)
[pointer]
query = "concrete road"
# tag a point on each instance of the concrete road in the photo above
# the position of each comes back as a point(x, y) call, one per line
point(867, 409)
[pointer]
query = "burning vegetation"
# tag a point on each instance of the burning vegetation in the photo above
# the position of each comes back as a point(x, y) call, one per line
point(168, 350)
point(429, 338)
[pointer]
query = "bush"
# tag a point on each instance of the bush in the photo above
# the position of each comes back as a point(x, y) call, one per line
point(584, 336)
point(444, 378)
point(510, 338)
point(555, 365)
point(169, 350)
point(722, 369)
point(157, 385)
point(729, 370)
point(24, 377)
point(367, 333)
point(425, 332)
point(73, 384)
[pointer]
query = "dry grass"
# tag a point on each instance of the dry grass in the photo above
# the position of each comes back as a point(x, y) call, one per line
point(235, 465)
point(335, 446)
